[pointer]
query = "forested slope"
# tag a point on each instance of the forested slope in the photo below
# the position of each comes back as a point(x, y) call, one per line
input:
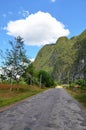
point(65, 60)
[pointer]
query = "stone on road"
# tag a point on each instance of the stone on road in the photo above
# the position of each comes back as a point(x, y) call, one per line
point(53, 109)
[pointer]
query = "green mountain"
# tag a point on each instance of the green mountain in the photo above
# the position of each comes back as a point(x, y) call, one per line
point(65, 60)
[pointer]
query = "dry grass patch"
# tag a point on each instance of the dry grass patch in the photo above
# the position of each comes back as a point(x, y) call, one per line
point(8, 97)
point(78, 94)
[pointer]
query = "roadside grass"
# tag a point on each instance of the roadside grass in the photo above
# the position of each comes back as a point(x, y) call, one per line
point(79, 94)
point(8, 97)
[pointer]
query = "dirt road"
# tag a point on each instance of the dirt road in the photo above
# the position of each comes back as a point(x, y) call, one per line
point(50, 110)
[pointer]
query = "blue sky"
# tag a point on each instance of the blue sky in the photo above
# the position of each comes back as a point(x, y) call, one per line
point(40, 22)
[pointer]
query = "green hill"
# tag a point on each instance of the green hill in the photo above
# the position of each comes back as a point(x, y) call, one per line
point(65, 60)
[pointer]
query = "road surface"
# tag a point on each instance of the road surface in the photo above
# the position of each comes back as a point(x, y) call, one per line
point(53, 109)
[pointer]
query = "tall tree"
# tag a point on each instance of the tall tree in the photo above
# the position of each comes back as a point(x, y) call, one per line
point(16, 60)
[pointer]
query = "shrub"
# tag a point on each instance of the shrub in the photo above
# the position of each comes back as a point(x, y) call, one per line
point(81, 82)
point(46, 79)
point(72, 85)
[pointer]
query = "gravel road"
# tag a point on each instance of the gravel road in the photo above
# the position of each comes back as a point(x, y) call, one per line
point(53, 109)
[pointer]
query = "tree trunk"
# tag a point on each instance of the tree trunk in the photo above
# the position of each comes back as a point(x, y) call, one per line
point(17, 84)
point(11, 88)
point(40, 84)
point(68, 78)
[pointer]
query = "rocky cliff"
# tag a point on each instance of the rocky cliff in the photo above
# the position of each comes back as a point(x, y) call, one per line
point(65, 60)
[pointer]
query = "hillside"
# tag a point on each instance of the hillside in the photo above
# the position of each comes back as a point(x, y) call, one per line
point(65, 60)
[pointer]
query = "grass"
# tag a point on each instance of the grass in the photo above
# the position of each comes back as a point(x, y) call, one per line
point(8, 97)
point(78, 94)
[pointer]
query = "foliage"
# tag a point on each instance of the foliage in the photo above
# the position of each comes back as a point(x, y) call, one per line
point(78, 84)
point(15, 60)
point(78, 94)
point(81, 82)
point(2, 77)
point(84, 71)
point(46, 79)
point(30, 76)
point(72, 85)
point(65, 60)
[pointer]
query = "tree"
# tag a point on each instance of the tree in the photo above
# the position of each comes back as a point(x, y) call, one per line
point(16, 60)
point(84, 72)
point(29, 74)
point(2, 77)
point(45, 79)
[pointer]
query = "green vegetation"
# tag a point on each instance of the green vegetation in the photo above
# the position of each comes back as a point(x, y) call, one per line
point(45, 79)
point(78, 94)
point(17, 68)
point(15, 61)
point(9, 97)
point(78, 90)
point(19, 79)
point(65, 60)
point(40, 78)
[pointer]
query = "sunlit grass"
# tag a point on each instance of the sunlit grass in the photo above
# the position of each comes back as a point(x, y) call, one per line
point(8, 97)
point(78, 94)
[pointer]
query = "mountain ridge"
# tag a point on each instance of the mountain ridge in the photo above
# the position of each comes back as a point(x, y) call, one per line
point(63, 58)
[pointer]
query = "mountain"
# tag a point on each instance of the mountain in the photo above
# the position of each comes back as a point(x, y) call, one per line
point(65, 60)
point(79, 66)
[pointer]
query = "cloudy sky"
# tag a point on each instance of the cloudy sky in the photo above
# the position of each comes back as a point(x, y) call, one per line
point(40, 22)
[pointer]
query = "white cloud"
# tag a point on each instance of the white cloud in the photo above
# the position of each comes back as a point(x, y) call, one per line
point(37, 29)
point(32, 59)
point(53, 0)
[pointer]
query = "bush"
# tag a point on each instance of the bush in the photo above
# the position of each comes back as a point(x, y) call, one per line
point(22, 83)
point(72, 85)
point(81, 82)
point(46, 79)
